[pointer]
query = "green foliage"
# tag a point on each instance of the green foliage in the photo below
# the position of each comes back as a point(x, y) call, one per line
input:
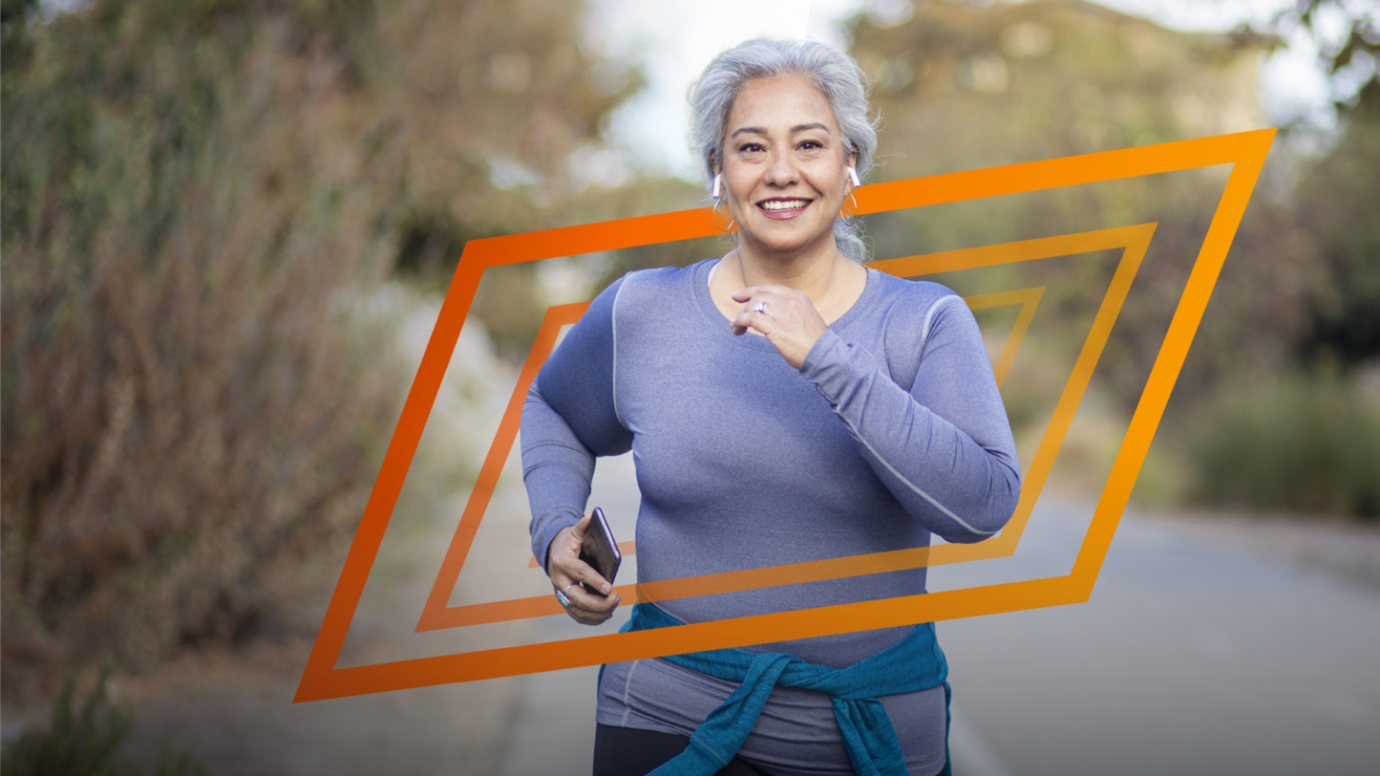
point(178, 347)
point(968, 85)
point(15, 17)
point(197, 197)
point(1300, 443)
point(1330, 223)
point(1336, 204)
point(200, 199)
point(1362, 37)
point(963, 86)
point(84, 742)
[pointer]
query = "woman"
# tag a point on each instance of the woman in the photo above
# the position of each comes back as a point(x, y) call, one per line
point(783, 404)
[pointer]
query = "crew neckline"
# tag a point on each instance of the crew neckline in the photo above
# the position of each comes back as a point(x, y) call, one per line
point(704, 272)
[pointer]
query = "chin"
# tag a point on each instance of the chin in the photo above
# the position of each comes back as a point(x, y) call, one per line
point(789, 243)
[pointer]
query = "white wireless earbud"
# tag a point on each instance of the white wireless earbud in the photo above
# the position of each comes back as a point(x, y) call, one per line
point(852, 176)
point(717, 182)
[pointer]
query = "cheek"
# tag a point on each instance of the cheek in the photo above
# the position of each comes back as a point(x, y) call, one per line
point(831, 185)
point(739, 183)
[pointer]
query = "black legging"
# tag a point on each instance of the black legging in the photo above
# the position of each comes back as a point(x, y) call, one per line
point(620, 751)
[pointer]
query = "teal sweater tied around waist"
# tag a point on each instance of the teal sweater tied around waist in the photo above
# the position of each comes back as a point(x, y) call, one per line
point(915, 663)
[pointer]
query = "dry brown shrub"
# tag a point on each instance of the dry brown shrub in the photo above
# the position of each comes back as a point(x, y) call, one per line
point(193, 403)
point(200, 202)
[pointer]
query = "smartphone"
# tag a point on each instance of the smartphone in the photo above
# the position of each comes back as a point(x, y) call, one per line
point(600, 551)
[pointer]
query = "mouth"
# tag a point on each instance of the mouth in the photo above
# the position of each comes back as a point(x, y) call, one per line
point(783, 206)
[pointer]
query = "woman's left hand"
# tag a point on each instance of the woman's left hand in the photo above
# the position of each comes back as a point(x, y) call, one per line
point(784, 316)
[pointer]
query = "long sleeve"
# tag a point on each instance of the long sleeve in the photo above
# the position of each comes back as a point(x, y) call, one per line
point(569, 418)
point(944, 448)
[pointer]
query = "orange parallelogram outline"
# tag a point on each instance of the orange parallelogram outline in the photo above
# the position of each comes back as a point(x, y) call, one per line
point(1246, 153)
point(1027, 298)
point(1134, 239)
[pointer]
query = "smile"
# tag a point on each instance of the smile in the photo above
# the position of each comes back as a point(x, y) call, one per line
point(784, 204)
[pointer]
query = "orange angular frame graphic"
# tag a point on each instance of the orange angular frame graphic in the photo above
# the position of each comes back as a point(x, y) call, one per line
point(321, 679)
point(1027, 298)
point(1134, 239)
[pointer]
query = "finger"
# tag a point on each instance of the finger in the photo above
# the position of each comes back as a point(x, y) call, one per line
point(586, 608)
point(753, 319)
point(593, 578)
point(747, 292)
point(744, 294)
point(570, 570)
point(586, 601)
point(567, 567)
point(590, 609)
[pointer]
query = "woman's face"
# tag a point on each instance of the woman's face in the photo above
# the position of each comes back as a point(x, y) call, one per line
point(784, 167)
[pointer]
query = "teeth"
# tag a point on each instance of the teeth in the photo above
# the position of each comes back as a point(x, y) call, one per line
point(788, 204)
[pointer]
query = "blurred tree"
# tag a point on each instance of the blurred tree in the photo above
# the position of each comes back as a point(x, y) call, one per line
point(494, 98)
point(968, 85)
point(15, 16)
point(1335, 204)
point(1335, 199)
point(199, 199)
point(1351, 59)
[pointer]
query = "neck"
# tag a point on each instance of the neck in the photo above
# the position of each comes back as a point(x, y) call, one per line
point(820, 274)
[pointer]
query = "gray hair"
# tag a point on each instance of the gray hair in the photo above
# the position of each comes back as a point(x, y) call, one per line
point(831, 71)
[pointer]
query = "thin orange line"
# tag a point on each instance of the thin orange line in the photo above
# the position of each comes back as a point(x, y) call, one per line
point(606, 648)
point(1165, 372)
point(1135, 238)
point(1028, 299)
point(493, 464)
point(320, 679)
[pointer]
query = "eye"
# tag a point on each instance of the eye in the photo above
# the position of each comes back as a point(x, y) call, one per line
point(749, 148)
point(811, 145)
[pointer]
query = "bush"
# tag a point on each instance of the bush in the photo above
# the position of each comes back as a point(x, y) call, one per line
point(1300, 443)
point(84, 743)
point(191, 406)
point(200, 202)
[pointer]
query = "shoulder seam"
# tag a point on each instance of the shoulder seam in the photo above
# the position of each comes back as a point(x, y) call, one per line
point(929, 319)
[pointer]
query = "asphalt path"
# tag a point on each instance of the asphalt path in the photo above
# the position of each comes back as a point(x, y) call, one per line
point(1197, 654)
point(1208, 647)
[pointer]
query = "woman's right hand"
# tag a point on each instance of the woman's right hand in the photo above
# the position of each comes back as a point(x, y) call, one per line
point(566, 570)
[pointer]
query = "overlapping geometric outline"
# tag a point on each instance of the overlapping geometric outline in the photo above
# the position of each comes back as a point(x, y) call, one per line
point(1027, 298)
point(436, 615)
point(1246, 153)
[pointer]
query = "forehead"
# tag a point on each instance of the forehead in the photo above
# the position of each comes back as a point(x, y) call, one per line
point(780, 102)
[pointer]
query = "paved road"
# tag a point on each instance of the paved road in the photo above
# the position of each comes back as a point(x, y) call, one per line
point(1204, 650)
point(1194, 656)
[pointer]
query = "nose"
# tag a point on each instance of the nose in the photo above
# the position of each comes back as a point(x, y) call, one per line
point(781, 171)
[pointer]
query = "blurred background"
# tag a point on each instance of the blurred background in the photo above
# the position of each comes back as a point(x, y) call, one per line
point(228, 226)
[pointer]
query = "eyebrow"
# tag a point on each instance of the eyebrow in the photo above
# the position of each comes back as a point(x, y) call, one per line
point(794, 129)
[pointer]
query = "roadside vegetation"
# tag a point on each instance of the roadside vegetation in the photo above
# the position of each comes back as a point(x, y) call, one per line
point(86, 741)
point(202, 200)
point(1277, 405)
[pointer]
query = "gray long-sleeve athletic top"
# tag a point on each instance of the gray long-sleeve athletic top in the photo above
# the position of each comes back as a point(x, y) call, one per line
point(892, 429)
